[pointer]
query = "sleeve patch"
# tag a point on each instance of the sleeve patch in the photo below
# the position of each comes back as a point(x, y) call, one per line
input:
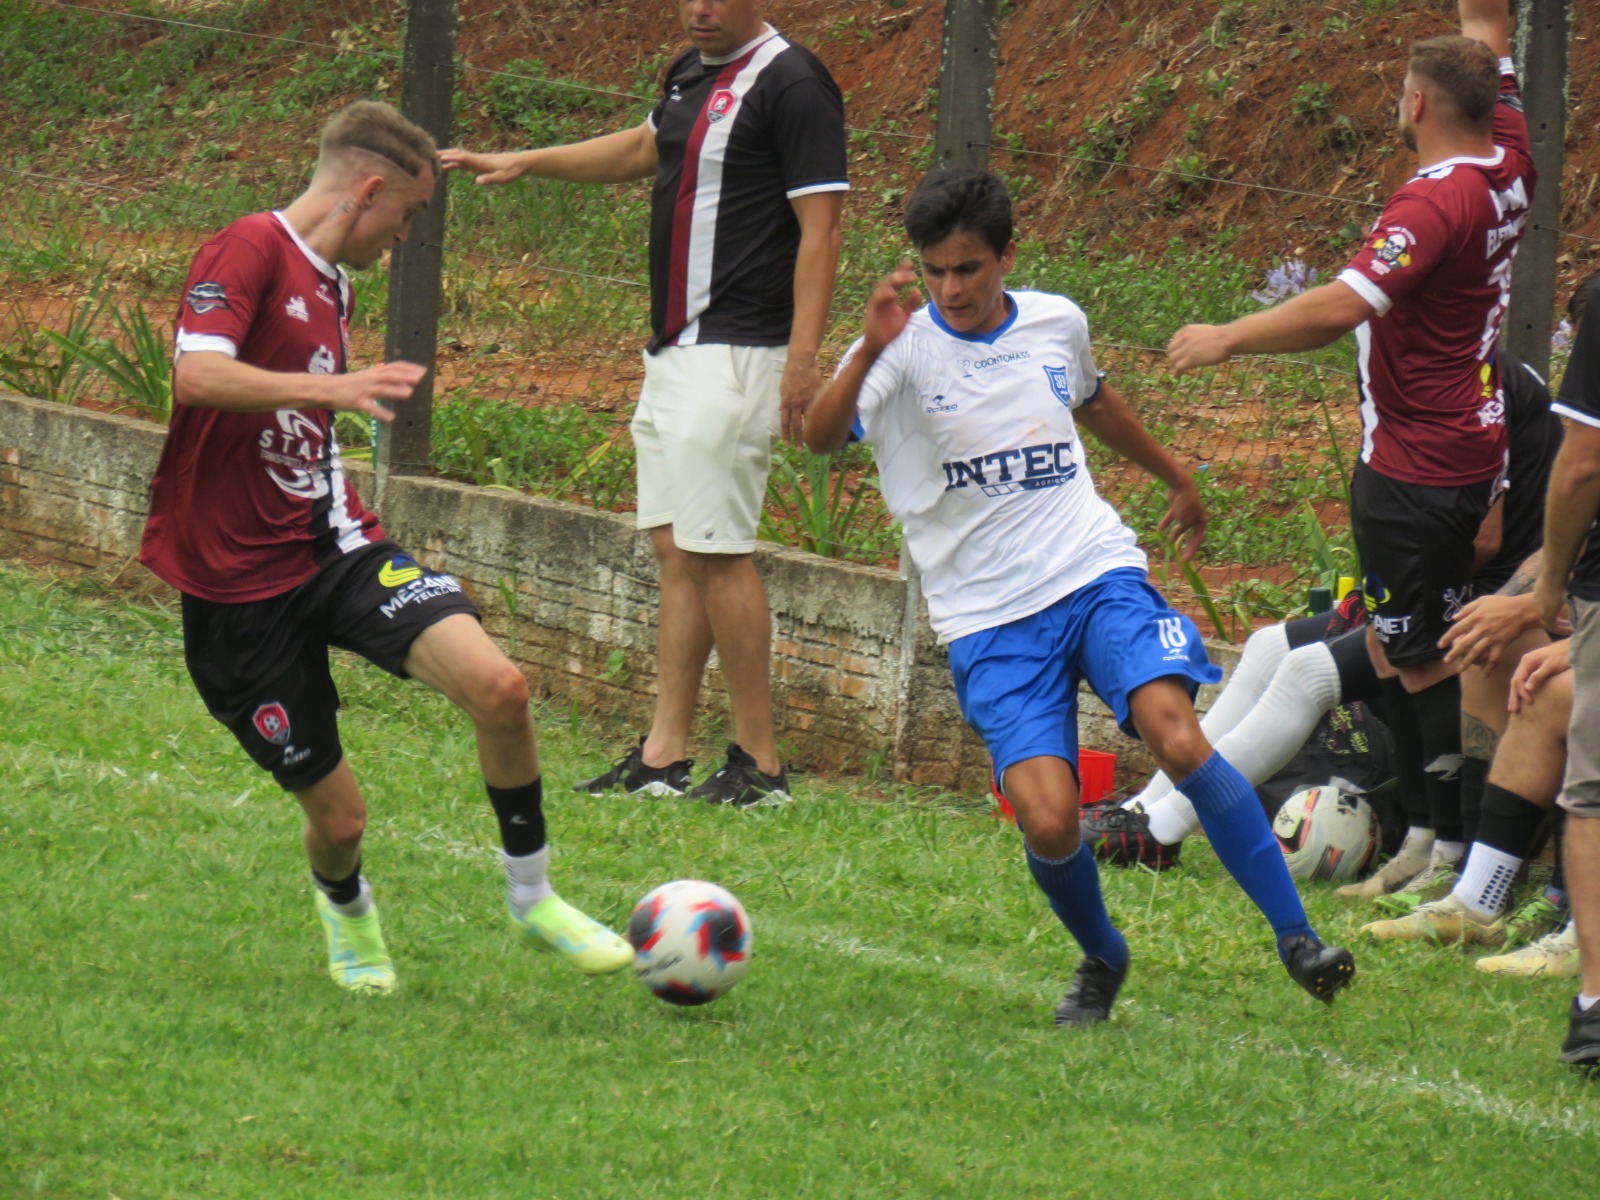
point(205, 297)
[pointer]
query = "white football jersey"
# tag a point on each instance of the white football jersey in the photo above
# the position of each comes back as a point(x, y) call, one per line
point(979, 458)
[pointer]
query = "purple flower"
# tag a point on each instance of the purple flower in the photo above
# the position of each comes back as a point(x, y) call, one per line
point(1287, 279)
point(1562, 337)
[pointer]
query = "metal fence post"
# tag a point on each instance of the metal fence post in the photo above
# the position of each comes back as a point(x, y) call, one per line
point(416, 267)
point(1543, 39)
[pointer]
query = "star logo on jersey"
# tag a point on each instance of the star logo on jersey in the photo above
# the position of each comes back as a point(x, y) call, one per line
point(296, 308)
point(721, 104)
point(1058, 383)
point(399, 571)
point(272, 722)
point(204, 297)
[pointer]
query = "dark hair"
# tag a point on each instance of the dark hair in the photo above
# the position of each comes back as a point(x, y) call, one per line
point(1464, 70)
point(955, 199)
point(1581, 296)
point(372, 127)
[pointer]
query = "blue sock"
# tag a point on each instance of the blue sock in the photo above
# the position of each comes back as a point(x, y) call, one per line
point(1072, 885)
point(1239, 833)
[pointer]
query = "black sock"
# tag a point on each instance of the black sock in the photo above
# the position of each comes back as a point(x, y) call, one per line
point(1439, 719)
point(1474, 779)
point(520, 811)
point(1510, 822)
point(1401, 715)
point(339, 891)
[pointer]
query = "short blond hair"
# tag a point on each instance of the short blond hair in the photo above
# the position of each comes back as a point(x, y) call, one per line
point(373, 128)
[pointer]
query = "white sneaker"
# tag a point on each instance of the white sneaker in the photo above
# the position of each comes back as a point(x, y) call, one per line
point(1391, 877)
point(1555, 955)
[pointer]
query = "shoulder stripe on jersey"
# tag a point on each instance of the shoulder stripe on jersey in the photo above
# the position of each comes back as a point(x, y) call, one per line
point(187, 342)
point(839, 185)
point(1366, 289)
point(694, 214)
point(1582, 416)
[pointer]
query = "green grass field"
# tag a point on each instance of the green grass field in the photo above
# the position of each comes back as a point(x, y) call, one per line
point(167, 1030)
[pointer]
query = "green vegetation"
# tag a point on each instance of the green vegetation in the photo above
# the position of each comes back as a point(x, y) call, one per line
point(94, 246)
point(167, 1029)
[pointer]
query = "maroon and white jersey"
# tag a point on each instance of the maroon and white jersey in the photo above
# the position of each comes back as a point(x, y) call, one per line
point(1437, 268)
point(737, 138)
point(247, 505)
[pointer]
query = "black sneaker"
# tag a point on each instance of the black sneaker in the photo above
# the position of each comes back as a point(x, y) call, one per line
point(1094, 989)
point(1582, 1047)
point(631, 775)
point(1120, 837)
point(739, 783)
point(1321, 970)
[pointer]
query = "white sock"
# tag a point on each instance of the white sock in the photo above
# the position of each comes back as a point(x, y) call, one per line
point(1486, 877)
point(1585, 1003)
point(527, 879)
point(1264, 650)
point(1172, 818)
point(1447, 854)
point(1158, 787)
point(1419, 841)
point(1304, 686)
point(360, 906)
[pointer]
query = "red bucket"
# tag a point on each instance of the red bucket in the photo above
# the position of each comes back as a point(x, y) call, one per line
point(1097, 772)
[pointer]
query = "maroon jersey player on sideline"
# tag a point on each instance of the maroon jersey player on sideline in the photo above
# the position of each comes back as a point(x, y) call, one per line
point(253, 520)
point(1425, 296)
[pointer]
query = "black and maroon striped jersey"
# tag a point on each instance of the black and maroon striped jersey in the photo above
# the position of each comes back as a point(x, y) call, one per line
point(738, 138)
point(247, 505)
point(1437, 270)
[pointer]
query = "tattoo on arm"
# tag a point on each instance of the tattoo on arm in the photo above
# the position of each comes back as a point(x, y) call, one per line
point(1477, 739)
point(1525, 576)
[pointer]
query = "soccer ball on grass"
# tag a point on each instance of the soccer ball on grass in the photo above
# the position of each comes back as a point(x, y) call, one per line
point(691, 941)
point(1326, 833)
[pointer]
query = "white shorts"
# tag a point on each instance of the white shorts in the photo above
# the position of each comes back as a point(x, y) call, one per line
point(704, 430)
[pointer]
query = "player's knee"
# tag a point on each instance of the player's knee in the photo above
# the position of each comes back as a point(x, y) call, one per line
point(1177, 745)
point(343, 830)
point(501, 696)
point(1053, 834)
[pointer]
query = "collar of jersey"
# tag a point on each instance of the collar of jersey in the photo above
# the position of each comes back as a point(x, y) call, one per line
point(316, 259)
point(767, 32)
point(988, 339)
point(1494, 160)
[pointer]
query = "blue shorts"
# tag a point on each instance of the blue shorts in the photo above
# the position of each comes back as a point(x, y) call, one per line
point(1018, 683)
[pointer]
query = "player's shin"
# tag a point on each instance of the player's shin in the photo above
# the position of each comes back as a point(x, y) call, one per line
point(1242, 838)
point(1072, 886)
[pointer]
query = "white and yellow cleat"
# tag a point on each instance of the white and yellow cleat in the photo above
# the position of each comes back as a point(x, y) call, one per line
point(1448, 922)
point(1555, 955)
point(553, 924)
point(1390, 877)
point(357, 959)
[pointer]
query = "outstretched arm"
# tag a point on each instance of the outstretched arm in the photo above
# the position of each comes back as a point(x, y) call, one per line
point(1489, 21)
point(1114, 424)
point(1570, 505)
point(211, 379)
point(1310, 320)
point(831, 414)
point(613, 158)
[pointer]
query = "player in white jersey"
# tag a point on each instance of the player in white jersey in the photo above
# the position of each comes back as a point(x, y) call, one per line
point(972, 405)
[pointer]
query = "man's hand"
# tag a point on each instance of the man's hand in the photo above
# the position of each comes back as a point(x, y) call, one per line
point(363, 391)
point(889, 308)
point(1185, 520)
point(1550, 600)
point(1197, 346)
point(802, 380)
point(1536, 669)
point(489, 168)
point(1481, 631)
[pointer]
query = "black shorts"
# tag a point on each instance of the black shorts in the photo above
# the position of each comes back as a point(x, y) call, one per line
point(1416, 548)
point(262, 667)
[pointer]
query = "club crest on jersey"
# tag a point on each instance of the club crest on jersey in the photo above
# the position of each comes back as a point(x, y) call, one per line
point(721, 104)
point(1058, 383)
point(326, 295)
point(1392, 248)
point(204, 297)
point(296, 308)
point(323, 362)
point(272, 722)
